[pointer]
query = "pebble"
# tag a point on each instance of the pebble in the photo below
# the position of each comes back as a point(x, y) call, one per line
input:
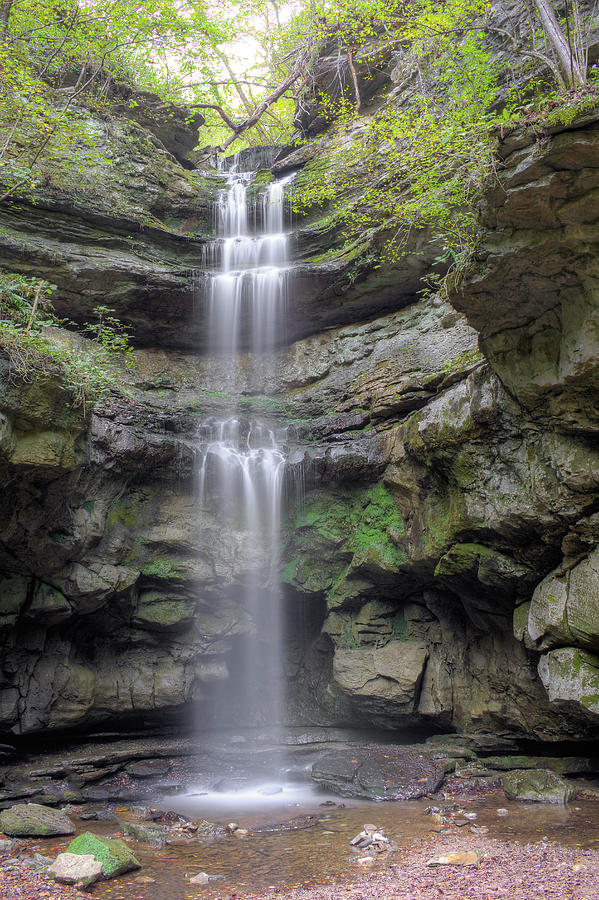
point(200, 878)
point(366, 861)
point(502, 812)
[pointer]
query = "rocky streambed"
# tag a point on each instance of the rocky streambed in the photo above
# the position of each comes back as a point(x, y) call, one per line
point(221, 817)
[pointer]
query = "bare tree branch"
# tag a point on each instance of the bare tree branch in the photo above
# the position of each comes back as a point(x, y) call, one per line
point(297, 71)
point(228, 121)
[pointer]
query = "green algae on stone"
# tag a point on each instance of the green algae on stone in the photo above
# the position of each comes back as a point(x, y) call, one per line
point(461, 559)
point(163, 568)
point(571, 675)
point(115, 856)
point(147, 832)
point(560, 765)
point(34, 820)
point(537, 786)
point(156, 611)
point(339, 534)
point(358, 520)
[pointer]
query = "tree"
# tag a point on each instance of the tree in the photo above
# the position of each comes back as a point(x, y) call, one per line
point(570, 49)
point(56, 51)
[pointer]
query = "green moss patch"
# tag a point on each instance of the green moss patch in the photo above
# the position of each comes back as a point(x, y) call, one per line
point(34, 820)
point(341, 533)
point(115, 856)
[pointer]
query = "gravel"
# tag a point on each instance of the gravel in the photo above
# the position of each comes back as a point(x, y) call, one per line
point(507, 870)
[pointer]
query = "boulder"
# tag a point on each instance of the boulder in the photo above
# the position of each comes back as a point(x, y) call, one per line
point(571, 675)
point(583, 602)
point(115, 857)
point(565, 607)
point(387, 773)
point(75, 868)
point(537, 786)
point(144, 831)
point(390, 674)
point(34, 820)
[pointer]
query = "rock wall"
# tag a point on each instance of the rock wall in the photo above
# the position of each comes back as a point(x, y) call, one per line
point(439, 559)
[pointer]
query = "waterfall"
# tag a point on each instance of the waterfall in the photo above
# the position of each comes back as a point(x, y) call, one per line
point(247, 297)
point(242, 460)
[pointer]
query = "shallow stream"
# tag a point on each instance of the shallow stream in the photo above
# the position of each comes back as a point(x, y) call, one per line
point(318, 854)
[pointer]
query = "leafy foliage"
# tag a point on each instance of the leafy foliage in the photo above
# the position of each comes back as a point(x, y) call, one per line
point(420, 164)
point(31, 338)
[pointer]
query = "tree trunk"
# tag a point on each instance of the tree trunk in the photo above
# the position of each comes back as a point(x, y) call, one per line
point(5, 10)
point(568, 62)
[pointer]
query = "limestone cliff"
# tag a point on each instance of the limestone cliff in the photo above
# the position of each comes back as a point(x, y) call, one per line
point(440, 561)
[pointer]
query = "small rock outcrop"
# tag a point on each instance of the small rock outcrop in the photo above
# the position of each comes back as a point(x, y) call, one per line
point(381, 774)
point(537, 786)
point(75, 868)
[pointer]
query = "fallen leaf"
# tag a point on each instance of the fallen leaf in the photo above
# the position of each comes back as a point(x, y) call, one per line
point(467, 858)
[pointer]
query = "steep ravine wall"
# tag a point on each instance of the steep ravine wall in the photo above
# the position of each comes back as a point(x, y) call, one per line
point(444, 489)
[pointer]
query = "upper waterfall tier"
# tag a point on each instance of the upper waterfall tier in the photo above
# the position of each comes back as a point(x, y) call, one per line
point(247, 297)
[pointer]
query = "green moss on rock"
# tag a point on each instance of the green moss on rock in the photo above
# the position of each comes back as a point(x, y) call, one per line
point(34, 820)
point(115, 856)
point(341, 533)
point(537, 786)
point(162, 567)
point(155, 611)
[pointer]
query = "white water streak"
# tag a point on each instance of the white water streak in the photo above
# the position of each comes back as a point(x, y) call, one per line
point(242, 463)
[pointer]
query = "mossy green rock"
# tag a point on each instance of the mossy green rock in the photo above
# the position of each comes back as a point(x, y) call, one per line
point(571, 675)
point(156, 612)
point(144, 831)
point(34, 820)
point(561, 765)
point(537, 786)
point(115, 856)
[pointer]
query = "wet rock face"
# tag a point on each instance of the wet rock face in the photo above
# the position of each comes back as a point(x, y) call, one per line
point(541, 246)
point(385, 774)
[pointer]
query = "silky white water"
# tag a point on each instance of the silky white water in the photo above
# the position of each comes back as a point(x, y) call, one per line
point(242, 461)
point(246, 305)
